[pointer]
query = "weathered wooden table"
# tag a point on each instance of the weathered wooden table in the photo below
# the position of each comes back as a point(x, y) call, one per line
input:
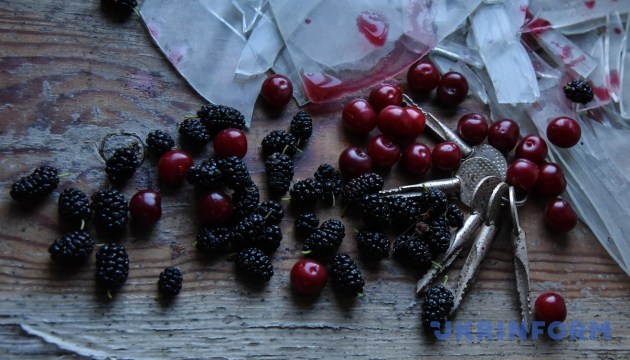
point(69, 76)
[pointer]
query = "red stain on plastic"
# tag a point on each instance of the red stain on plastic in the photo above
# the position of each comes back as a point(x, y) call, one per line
point(523, 8)
point(615, 81)
point(617, 31)
point(307, 21)
point(320, 86)
point(601, 93)
point(537, 26)
point(374, 27)
point(590, 4)
point(153, 31)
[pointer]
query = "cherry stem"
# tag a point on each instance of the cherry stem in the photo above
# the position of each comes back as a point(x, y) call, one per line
point(306, 252)
point(445, 280)
point(268, 214)
point(191, 117)
point(437, 265)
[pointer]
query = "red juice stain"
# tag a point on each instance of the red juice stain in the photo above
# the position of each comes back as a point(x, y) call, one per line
point(523, 8)
point(535, 26)
point(374, 27)
point(321, 87)
point(307, 21)
point(615, 81)
point(601, 93)
point(617, 31)
point(590, 4)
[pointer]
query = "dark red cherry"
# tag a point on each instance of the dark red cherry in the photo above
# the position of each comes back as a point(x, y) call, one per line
point(308, 276)
point(503, 135)
point(145, 207)
point(230, 142)
point(522, 174)
point(423, 76)
point(383, 151)
point(416, 159)
point(446, 156)
point(473, 128)
point(417, 122)
point(394, 121)
point(173, 167)
point(384, 95)
point(277, 90)
point(559, 215)
point(564, 132)
point(214, 208)
point(550, 307)
point(452, 89)
point(551, 181)
point(354, 162)
point(533, 148)
point(359, 117)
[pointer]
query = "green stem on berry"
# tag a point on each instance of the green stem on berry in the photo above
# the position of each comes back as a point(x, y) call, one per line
point(191, 117)
point(333, 197)
point(100, 244)
point(360, 294)
point(286, 147)
point(109, 294)
point(82, 225)
point(285, 198)
point(268, 214)
point(306, 252)
point(445, 280)
point(66, 174)
point(437, 265)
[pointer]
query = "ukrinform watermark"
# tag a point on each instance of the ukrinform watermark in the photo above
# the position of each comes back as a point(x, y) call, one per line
point(513, 330)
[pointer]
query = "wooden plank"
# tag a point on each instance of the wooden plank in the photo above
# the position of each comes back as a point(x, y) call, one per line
point(69, 76)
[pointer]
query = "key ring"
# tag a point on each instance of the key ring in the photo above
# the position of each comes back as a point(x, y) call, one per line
point(512, 201)
point(513, 213)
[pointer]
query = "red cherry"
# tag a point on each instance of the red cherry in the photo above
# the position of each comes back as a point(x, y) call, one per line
point(503, 135)
point(559, 215)
point(145, 207)
point(452, 89)
point(533, 148)
point(173, 167)
point(359, 117)
point(308, 276)
point(383, 151)
point(384, 95)
point(277, 90)
point(522, 174)
point(214, 208)
point(550, 307)
point(416, 159)
point(551, 181)
point(394, 121)
point(417, 122)
point(423, 76)
point(446, 156)
point(354, 162)
point(230, 142)
point(564, 132)
point(473, 128)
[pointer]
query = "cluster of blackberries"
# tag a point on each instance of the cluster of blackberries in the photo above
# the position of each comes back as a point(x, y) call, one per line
point(326, 185)
point(279, 146)
point(254, 237)
point(437, 304)
point(196, 132)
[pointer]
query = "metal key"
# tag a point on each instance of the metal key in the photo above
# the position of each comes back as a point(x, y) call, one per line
point(468, 176)
point(479, 204)
point(485, 235)
point(521, 262)
point(444, 133)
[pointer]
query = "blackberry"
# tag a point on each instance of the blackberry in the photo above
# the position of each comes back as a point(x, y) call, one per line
point(121, 166)
point(279, 169)
point(41, 182)
point(373, 245)
point(205, 175)
point(330, 180)
point(110, 211)
point(306, 224)
point(246, 232)
point(578, 91)
point(439, 236)
point(369, 183)
point(345, 276)
point(218, 117)
point(234, 172)
point(412, 251)
point(271, 211)
point(72, 249)
point(305, 192)
point(454, 216)
point(112, 266)
point(170, 282)
point(193, 134)
point(323, 243)
point(279, 141)
point(74, 207)
point(213, 242)
point(375, 212)
point(269, 240)
point(254, 265)
point(437, 305)
point(301, 127)
point(405, 212)
point(245, 201)
point(120, 8)
point(435, 203)
point(159, 142)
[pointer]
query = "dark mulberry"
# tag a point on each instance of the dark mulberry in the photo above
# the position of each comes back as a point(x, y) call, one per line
point(40, 183)
point(213, 242)
point(373, 245)
point(254, 265)
point(72, 249)
point(121, 166)
point(170, 282)
point(159, 142)
point(306, 224)
point(578, 91)
point(345, 276)
point(271, 211)
point(218, 117)
point(301, 127)
point(205, 175)
point(193, 134)
point(436, 307)
point(279, 169)
point(366, 184)
point(279, 141)
point(112, 266)
point(74, 207)
point(110, 211)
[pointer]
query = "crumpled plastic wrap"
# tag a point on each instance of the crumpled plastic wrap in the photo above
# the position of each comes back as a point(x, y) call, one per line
point(563, 13)
point(204, 42)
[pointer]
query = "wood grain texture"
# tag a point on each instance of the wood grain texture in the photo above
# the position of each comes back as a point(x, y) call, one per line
point(69, 76)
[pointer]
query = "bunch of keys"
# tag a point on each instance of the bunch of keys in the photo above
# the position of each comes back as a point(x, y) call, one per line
point(479, 182)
